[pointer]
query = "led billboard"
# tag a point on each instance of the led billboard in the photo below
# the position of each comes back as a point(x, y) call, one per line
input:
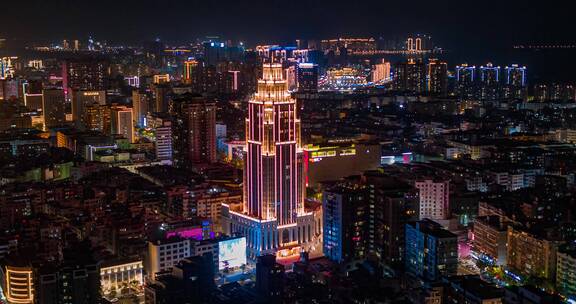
point(231, 253)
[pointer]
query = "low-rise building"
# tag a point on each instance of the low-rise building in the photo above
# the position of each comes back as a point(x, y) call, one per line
point(531, 254)
point(490, 237)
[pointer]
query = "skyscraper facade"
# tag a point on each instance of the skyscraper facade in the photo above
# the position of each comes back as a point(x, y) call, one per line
point(410, 76)
point(434, 198)
point(197, 117)
point(381, 72)
point(431, 251)
point(466, 81)
point(307, 77)
point(272, 214)
point(515, 82)
point(489, 82)
point(84, 74)
point(122, 122)
point(346, 223)
point(53, 108)
point(437, 77)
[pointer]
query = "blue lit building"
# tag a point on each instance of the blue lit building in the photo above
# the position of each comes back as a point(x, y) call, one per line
point(515, 82)
point(490, 74)
point(465, 73)
point(345, 211)
point(431, 250)
point(466, 81)
point(516, 75)
point(489, 82)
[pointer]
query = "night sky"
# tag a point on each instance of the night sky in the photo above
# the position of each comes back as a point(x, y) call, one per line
point(452, 23)
point(472, 31)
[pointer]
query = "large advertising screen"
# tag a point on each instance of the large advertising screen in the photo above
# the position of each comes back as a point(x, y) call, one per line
point(232, 253)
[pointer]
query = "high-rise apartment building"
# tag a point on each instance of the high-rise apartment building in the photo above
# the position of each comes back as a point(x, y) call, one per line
point(515, 81)
point(197, 138)
point(81, 100)
point(269, 278)
point(431, 250)
point(140, 102)
point(490, 87)
point(490, 237)
point(516, 75)
point(53, 108)
point(97, 117)
point(489, 74)
point(191, 71)
point(393, 203)
point(410, 76)
point(122, 122)
point(434, 199)
point(164, 141)
point(381, 72)
point(466, 81)
point(437, 77)
point(346, 218)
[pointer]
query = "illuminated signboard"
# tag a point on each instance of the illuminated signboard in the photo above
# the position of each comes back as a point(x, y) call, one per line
point(191, 233)
point(232, 253)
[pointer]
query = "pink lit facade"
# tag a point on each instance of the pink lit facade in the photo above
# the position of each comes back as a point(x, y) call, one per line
point(273, 171)
point(272, 214)
point(434, 199)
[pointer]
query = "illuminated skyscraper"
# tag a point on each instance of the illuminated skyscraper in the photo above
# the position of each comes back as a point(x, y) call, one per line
point(410, 76)
point(515, 81)
point(465, 73)
point(140, 102)
point(233, 81)
point(489, 74)
point(381, 72)
point(190, 74)
point(272, 214)
point(161, 78)
point(18, 284)
point(465, 78)
point(7, 67)
point(122, 122)
point(516, 75)
point(84, 74)
point(97, 117)
point(489, 82)
point(81, 100)
point(434, 198)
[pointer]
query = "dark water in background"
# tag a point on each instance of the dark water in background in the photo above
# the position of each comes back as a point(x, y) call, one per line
point(543, 65)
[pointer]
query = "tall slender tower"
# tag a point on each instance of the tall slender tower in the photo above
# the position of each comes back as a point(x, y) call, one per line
point(273, 184)
point(272, 214)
